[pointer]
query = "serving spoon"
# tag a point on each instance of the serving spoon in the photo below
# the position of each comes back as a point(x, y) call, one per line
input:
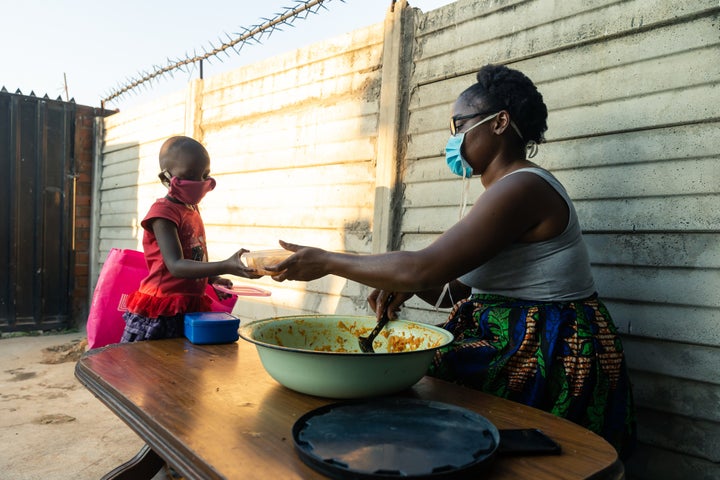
point(366, 343)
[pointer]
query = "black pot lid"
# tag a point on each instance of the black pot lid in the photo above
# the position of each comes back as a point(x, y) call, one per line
point(394, 438)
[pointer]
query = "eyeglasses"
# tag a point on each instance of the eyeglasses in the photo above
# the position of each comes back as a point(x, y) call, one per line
point(453, 120)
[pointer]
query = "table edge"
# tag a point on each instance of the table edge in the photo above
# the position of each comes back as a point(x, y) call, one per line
point(134, 418)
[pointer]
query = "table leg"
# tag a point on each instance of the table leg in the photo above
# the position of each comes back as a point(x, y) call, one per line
point(143, 466)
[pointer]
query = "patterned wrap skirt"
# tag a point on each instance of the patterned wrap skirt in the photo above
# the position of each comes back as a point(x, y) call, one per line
point(562, 357)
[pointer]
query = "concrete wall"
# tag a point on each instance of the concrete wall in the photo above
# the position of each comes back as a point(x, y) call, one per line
point(293, 147)
point(340, 145)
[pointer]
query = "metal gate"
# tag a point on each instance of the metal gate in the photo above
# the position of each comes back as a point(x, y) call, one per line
point(36, 212)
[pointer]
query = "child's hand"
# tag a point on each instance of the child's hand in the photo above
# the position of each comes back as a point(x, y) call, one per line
point(225, 282)
point(237, 267)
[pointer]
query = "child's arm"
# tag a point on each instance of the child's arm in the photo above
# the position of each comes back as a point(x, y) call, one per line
point(167, 237)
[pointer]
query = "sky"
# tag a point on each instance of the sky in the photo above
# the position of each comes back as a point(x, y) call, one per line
point(86, 49)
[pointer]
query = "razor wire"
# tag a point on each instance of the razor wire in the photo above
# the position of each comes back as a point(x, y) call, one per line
point(254, 34)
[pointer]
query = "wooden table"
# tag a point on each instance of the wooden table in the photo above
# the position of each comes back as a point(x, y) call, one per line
point(211, 411)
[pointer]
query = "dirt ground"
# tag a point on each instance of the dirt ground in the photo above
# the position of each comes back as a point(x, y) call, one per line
point(51, 426)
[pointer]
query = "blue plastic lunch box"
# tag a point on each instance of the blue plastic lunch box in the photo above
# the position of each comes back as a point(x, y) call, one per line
point(211, 327)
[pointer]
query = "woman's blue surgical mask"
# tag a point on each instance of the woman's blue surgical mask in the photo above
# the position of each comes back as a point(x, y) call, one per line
point(453, 151)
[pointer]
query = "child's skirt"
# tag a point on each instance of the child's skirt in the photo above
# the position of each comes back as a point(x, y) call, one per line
point(139, 328)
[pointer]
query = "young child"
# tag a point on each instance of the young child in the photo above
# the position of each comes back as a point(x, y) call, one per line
point(175, 249)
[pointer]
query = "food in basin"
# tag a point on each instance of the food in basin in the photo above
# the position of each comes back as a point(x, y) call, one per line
point(320, 354)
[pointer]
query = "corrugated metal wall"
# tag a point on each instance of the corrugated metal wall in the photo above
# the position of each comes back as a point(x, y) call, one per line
point(301, 143)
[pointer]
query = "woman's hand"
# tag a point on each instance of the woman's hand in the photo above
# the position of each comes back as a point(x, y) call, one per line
point(308, 263)
point(378, 298)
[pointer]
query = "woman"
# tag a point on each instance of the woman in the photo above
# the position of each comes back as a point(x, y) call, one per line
point(529, 326)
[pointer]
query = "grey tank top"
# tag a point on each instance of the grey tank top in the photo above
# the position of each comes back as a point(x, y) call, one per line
point(552, 270)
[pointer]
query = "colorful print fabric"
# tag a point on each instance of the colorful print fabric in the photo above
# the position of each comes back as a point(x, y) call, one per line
point(565, 358)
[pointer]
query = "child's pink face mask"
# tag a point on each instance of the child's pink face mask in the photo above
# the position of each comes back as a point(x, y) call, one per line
point(190, 192)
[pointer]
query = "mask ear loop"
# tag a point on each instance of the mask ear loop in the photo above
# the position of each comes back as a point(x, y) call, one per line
point(165, 178)
point(531, 146)
point(464, 195)
point(463, 207)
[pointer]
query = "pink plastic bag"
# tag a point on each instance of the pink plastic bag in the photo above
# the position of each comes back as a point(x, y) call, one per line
point(120, 276)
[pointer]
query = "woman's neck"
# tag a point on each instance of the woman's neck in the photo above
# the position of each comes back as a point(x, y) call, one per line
point(499, 168)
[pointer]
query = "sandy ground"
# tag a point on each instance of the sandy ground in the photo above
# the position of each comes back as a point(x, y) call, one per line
point(51, 427)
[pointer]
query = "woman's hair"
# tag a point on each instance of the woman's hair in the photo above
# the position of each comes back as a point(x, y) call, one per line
point(501, 88)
